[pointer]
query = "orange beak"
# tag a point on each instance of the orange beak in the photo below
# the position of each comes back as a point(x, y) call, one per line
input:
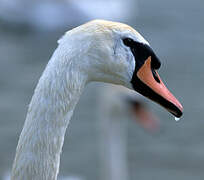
point(149, 84)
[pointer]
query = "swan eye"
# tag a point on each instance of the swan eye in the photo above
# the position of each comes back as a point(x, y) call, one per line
point(128, 42)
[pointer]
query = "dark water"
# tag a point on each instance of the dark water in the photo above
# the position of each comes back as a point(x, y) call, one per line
point(175, 29)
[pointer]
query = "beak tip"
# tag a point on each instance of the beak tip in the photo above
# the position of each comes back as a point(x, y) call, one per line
point(178, 113)
point(175, 108)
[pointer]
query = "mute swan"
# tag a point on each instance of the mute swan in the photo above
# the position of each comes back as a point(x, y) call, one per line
point(96, 51)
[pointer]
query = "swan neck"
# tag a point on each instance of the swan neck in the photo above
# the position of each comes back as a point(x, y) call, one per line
point(51, 107)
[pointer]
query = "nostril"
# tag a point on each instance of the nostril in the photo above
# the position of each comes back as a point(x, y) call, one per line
point(155, 76)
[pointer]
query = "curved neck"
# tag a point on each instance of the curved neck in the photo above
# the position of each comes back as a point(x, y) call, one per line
point(51, 107)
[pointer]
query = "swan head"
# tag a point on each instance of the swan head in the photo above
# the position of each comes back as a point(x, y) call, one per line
point(116, 53)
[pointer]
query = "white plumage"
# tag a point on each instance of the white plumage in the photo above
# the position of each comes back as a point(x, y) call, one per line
point(91, 52)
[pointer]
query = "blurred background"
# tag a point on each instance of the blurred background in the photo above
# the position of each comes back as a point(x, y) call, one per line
point(29, 31)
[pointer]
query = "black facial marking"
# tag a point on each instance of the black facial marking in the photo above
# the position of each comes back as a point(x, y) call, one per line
point(141, 52)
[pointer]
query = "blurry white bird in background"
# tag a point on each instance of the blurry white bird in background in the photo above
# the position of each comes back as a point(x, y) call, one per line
point(116, 104)
point(53, 15)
